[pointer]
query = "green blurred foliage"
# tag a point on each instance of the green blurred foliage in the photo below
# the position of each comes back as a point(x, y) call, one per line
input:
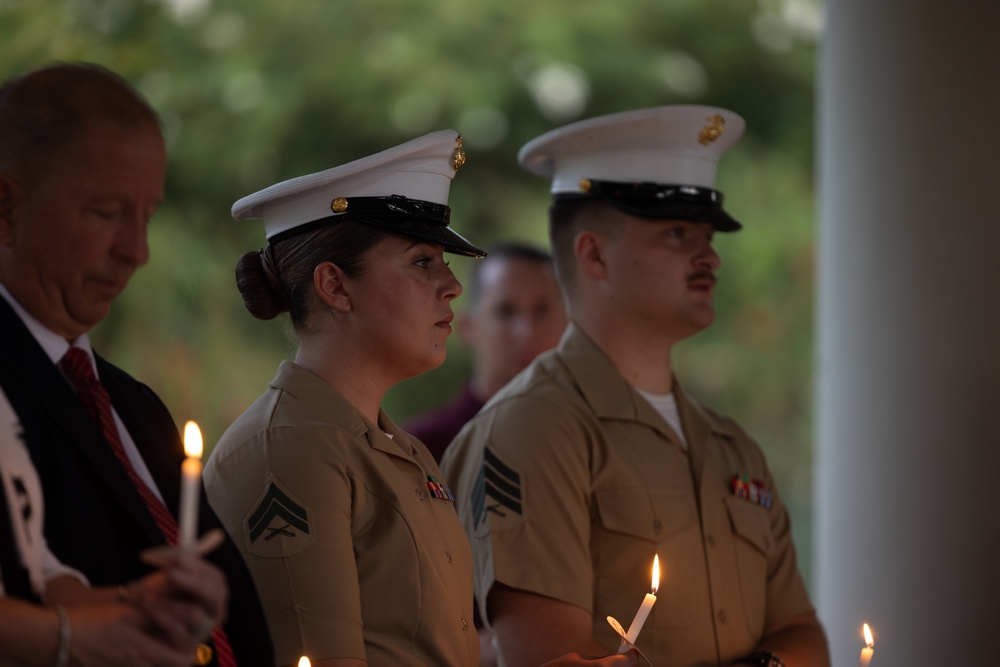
point(252, 92)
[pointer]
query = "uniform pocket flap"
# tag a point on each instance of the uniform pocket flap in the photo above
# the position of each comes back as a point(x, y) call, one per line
point(750, 523)
point(652, 514)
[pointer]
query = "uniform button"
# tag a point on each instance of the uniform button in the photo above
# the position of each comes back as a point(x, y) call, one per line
point(722, 616)
point(421, 493)
point(448, 556)
point(711, 540)
point(465, 625)
point(203, 654)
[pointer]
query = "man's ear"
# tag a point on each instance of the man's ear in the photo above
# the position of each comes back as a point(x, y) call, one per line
point(330, 283)
point(11, 194)
point(589, 248)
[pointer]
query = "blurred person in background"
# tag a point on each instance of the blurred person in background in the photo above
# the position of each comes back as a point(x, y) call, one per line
point(82, 169)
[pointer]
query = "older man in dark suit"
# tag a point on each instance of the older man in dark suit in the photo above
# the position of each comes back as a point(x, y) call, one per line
point(82, 164)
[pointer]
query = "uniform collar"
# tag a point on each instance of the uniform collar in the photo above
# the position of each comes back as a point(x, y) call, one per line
point(602, 386)
point(611, 396)
point(317, 394)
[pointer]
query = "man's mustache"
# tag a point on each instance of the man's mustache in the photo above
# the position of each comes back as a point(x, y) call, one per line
point(702, 275)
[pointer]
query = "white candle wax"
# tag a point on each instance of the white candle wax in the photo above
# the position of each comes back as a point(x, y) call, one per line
point(647, 604)
point(187, 527)
point(187, 523)
point(640, 618)
point(866, 656)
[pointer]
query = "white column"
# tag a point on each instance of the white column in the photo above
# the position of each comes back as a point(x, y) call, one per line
point(908, 384)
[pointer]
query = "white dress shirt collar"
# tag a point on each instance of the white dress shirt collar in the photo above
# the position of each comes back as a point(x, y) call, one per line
point(55, 346)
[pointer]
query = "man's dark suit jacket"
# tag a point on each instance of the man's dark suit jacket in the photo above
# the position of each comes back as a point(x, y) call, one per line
point(95, 520)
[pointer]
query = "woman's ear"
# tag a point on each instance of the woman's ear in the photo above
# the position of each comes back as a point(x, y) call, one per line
point(330, 283)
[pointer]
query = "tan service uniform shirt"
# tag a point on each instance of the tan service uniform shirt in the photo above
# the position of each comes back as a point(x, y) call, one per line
point(352, 554)
point(568, 482)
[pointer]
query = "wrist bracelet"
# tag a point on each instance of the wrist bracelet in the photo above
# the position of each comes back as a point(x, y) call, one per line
point(65, 635)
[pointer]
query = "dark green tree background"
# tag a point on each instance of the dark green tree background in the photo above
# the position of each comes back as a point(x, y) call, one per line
point(252, 92)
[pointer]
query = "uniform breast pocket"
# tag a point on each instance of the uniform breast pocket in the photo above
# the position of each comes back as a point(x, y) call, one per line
point(635, 524)
point(649, 514)
point(753, 545)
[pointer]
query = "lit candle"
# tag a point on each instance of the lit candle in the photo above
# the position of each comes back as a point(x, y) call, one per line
point(644, 609)
point(304, 662)
point(866, 652)
point(187, 525)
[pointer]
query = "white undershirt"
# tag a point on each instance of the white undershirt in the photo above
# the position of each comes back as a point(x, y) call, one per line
point(666, 406)
point(55, 347)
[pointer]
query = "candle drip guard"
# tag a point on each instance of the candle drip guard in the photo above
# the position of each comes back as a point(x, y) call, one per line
point(626, 644)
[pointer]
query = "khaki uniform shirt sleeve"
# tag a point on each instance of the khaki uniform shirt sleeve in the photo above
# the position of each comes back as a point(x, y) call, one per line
point(762, 579)
point(525, 499)
point(307, 580)
point(786, 591)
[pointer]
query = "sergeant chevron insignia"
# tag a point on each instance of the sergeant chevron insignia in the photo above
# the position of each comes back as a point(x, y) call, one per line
point(497, 490)
point(279, 524)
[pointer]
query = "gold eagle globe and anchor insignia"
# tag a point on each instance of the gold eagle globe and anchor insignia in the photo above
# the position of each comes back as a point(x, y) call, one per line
point(458, 157)
point(715, 128)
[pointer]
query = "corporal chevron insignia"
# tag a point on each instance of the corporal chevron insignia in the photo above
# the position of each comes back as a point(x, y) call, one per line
point(497, 489)
point(279, 524)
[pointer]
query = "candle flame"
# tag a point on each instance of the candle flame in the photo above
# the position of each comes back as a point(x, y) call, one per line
point(304, 662)
point(868, 636)
point(656, 573)
point(192, 440)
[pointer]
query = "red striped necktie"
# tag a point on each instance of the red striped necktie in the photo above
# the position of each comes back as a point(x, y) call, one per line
point(77, 367)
